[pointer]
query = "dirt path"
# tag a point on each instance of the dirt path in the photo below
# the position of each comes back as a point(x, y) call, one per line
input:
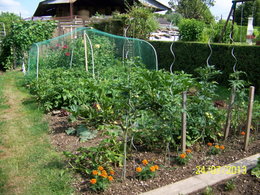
point(24, 142)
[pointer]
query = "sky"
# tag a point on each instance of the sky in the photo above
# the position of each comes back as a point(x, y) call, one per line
point(26, 8)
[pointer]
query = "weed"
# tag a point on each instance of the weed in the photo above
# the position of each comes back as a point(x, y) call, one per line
point(230, 185)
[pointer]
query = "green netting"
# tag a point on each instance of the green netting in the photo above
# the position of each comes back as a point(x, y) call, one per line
point(90, 50)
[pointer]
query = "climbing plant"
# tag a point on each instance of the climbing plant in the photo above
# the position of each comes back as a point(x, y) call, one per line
point(22, 35)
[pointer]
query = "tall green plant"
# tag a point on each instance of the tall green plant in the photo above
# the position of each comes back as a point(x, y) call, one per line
point(140, 21)
point(22, 35)
point(191, 30)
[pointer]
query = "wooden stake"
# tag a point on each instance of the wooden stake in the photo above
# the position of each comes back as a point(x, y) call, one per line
point(229, 112)
point(184, 122)
point(249, 116)
point(86, 51)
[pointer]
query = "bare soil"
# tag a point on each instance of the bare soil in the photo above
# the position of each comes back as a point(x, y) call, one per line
point(169, 171)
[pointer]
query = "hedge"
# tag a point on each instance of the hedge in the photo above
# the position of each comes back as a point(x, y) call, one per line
point(191, 55)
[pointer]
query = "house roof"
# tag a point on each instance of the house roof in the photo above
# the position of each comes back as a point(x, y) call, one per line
point(48, 7)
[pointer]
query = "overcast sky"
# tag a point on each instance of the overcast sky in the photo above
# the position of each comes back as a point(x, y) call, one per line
point(26, 8)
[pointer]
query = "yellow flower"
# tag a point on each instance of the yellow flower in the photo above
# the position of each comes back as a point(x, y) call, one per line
point(156, 167)
point(93, 181)
point(145, 162)
point(152, 168)
point(112, 172)
point(94, 172)
point(110, 178)
point(138, 169)
point(100, 168)
point(182, 155)
point(217, 146)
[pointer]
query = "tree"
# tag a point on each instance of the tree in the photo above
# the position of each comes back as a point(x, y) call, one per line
point(197, 9)
point(248, 8)
point(140, 21)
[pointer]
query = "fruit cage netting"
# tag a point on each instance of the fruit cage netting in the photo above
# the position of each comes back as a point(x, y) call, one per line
point(90, 50)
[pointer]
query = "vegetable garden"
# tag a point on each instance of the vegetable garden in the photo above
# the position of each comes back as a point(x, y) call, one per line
point(110, 87)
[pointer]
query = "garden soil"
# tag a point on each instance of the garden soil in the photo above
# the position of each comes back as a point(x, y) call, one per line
point(169, 171)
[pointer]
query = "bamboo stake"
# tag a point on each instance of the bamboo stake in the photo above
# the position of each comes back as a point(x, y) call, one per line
point(249, 116)
point(184, 122)
point(86, 51)
point(229, 112)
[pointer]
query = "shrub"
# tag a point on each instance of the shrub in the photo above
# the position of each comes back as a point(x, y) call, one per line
point(218, 30)
point(190, 56)
point(191, 30)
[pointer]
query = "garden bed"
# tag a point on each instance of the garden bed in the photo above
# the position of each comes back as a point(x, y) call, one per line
point(167, 173)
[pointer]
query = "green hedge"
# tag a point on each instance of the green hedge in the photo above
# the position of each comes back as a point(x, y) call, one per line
point(190, 55)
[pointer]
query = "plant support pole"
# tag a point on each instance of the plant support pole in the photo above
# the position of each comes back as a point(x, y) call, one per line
point(184, 122)
point(229, 112)
point(86, 51)
point(249, 116)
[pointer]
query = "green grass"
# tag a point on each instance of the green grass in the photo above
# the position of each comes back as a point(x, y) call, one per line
point(30, 165)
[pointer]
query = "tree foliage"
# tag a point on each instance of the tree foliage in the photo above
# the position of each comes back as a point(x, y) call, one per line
point(7, 18)
point(249, 8)
point(140, 21)
point(197, 9)
point(21, 36)
point(191, 29)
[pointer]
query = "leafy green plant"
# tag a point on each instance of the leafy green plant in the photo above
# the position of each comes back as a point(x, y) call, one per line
point(147, 171)
point(191, 30)
point(230, 185)
point(208, 191)
point(256, 171)
point(22, 35)
point(141, 21)
point(108, 152)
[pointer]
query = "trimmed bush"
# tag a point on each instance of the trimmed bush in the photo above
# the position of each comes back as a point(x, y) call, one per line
point(190, 56)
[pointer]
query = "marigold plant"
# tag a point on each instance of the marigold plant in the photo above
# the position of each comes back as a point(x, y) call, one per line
point(242, 133)
point(209, 144)
point(145, 162)
point(148, 171)
point(101, 179)
point(222, 147)
point(138, 169)
point(217, 149)
point(184, 158)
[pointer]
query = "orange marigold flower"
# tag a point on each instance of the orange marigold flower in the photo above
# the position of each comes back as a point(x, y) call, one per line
point(145, 162)
point(110, 178)
point(103, 175)
point(242, 133)
point(138, 169)
point(209, 144)
point(152, 168)
point(94, 172)
point(100, 168)
point(93, 181)
point(182, 155)
point(112, 172)
point(222, 147)
point(188, 151)
point(217, 146)
point(104, 172)
point(156, 167)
